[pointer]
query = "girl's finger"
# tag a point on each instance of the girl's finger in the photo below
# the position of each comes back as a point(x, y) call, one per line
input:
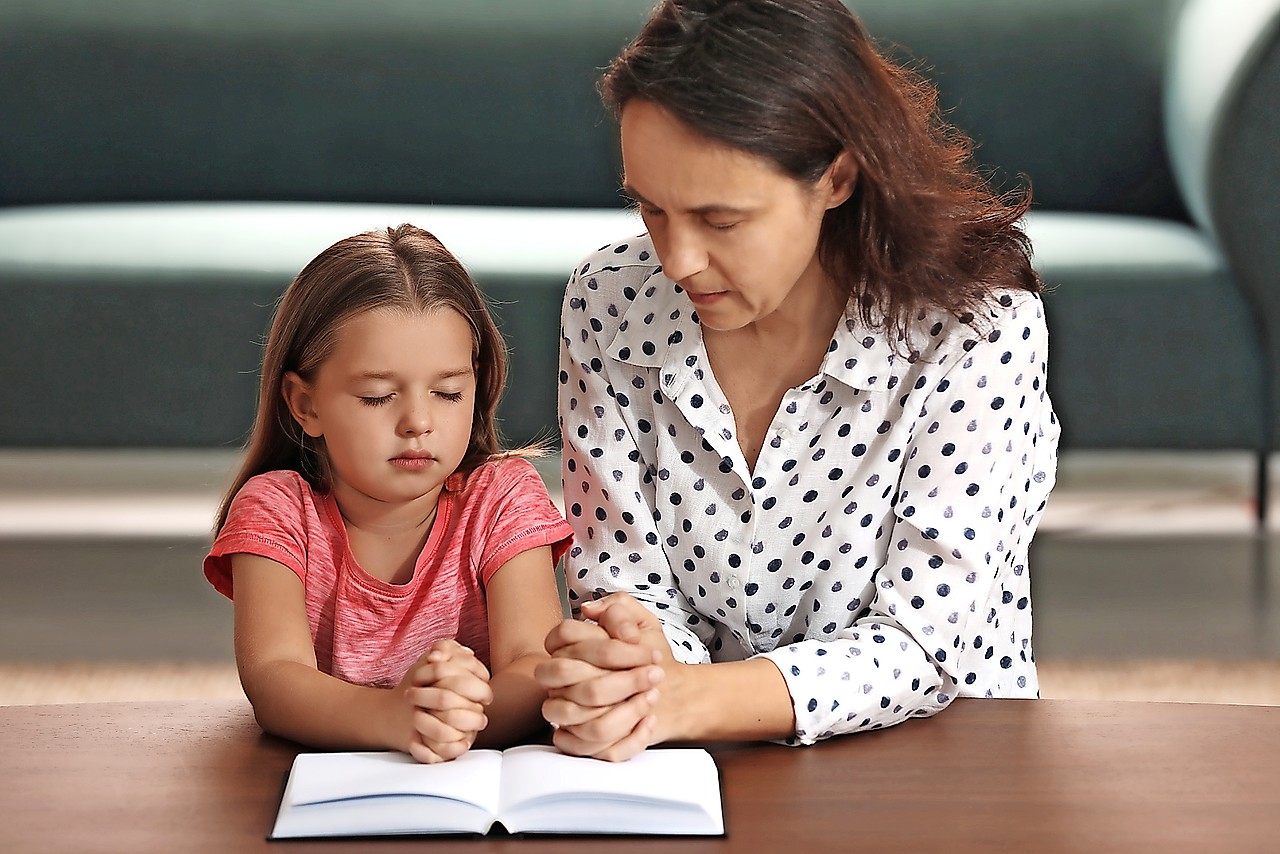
point(433, 731)
point(440, 698)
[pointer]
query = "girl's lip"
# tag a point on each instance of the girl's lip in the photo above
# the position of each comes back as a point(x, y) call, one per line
point(413, 463)
point(413, 457)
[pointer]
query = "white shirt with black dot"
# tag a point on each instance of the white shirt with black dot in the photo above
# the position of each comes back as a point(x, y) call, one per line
point(877, 553)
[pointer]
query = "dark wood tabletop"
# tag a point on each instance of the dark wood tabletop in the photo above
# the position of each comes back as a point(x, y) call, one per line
point(984, 775)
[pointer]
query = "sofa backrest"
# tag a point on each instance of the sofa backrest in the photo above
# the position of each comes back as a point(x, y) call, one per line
point(493, 102)
point(485, 102)
point(1067, 92)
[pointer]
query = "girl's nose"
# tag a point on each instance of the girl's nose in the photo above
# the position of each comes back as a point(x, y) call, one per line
point(416, 421)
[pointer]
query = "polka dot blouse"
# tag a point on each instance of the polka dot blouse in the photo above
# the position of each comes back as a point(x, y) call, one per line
point(877, 553)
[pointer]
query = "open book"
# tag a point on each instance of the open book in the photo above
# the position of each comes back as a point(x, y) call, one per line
point(529, 789)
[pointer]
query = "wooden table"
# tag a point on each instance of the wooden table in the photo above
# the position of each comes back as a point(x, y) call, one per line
point(985, 775)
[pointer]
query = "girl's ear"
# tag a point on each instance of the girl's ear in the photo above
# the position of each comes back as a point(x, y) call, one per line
point(839, 180)
point(298, 396)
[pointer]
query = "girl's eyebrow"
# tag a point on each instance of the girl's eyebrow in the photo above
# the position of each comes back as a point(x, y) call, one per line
point(389, 375)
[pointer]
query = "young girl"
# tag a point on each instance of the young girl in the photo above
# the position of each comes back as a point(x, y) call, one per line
point(391, 568)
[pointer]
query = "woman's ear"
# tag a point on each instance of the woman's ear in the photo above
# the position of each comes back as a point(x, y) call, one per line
point(298, 396)
point(839, 180)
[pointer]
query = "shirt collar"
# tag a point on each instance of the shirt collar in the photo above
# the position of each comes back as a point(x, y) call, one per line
point(860, 357)
point(660, 330)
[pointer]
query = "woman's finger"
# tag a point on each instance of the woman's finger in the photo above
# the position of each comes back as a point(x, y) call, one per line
point(621, 616)
point(560, 674)
point(607, 730)
point(562, 713)
point(639, 739)
point(612, 687)
point(569, 632)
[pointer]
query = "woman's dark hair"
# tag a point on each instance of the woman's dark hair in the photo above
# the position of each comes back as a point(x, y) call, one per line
point(404, 269)
point(797, 82)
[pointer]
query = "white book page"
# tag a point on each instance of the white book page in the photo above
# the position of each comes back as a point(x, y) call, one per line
point(660, 791)
point(386, 792)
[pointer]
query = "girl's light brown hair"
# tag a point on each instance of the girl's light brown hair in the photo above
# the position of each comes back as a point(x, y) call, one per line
point(403, 268)
point(797, 82)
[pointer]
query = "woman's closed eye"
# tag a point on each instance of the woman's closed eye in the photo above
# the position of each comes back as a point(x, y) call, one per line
point(646, 210)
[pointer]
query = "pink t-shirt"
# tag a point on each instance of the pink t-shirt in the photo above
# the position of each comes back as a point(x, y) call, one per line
point(365, 630)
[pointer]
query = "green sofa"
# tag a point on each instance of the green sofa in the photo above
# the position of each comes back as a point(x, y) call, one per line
point(168, 165)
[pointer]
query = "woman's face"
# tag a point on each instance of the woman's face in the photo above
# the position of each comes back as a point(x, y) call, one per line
point(739, 235)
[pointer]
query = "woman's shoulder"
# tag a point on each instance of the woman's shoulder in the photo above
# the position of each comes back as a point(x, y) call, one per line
point(1006, 314)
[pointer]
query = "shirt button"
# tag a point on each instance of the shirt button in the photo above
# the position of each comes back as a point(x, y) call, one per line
point(783, 433)
point(733, 582)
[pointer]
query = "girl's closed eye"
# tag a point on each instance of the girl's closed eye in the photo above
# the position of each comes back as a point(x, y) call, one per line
point(376, 400)
point(451, 396)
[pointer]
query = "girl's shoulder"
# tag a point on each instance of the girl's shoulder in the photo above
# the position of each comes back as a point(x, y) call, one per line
point(498, 476)
point(282, 491)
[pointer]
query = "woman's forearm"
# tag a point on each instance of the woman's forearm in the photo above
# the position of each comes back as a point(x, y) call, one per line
point(731, 701)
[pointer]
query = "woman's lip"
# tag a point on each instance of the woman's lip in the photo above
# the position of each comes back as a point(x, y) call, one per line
point(704, 299)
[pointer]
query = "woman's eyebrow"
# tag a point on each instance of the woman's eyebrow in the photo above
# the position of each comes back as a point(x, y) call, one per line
point(702, 210)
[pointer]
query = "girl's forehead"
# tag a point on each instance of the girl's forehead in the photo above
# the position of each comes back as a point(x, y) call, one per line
point(396, 336)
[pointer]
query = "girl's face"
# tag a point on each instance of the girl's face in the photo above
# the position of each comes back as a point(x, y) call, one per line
point(393, 403)
point(738, 234)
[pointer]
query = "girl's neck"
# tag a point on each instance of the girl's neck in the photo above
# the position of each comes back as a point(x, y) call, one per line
point(386, 538)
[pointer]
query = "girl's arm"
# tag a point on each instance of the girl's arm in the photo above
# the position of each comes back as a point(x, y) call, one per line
point(523, 607)
point(290, 696)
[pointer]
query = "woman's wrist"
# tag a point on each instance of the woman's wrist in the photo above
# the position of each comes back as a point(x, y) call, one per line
point(734, 701)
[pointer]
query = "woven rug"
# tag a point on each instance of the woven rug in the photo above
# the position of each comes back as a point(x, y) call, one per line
point(1253, 682)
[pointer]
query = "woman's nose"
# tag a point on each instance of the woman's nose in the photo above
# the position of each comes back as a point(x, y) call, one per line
point(683, 254)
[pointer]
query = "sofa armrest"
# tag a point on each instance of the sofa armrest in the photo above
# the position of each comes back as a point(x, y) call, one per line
point(1223, 126)
point(1218, 57)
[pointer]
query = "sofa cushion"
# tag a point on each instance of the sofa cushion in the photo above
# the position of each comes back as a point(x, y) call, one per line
point(1151, 343)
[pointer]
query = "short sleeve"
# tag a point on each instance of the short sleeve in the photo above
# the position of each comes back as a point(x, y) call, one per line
point(521, 516)
point(267, 518)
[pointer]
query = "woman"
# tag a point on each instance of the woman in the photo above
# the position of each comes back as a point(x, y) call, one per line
point(806, 435)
